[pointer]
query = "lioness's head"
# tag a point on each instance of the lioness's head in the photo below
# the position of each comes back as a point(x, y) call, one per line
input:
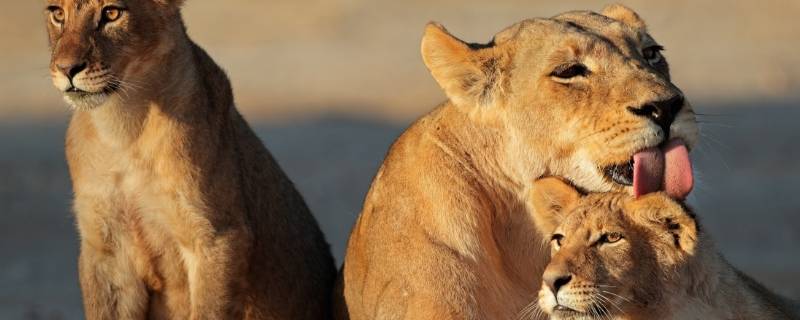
point(613, 256)
point(99, 46)
point(582, 95)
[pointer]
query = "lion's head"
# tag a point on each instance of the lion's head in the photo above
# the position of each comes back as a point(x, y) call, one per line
point(580, 95)
point(104, 47)
point(613, 256)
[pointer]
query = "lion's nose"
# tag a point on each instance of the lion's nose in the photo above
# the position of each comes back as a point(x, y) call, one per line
point(662, 112)
point(556, 280)
point(71, 68)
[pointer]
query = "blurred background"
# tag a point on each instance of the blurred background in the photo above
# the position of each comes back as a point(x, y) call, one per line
point(329, 84)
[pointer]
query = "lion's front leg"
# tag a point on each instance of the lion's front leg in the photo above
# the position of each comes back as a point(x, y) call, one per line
point(216, 271)
point(109, 282)
point(109, 286)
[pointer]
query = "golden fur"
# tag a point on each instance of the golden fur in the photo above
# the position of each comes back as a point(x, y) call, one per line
point(182, 212)
point(617, 257)
point(445, 231)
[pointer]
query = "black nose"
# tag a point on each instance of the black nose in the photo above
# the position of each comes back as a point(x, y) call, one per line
point(72, 68)
point(555, 281)
point(662, 112)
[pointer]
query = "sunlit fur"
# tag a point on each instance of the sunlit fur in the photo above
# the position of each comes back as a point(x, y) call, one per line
point(662, 267)
point(445, 231)
point(182, 212)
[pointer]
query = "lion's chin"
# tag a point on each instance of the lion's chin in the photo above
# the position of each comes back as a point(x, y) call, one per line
point(84, 101)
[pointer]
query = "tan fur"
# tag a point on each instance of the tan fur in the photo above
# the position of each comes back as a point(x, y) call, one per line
point(445, 231)
point(182, 212)
point(662, 267)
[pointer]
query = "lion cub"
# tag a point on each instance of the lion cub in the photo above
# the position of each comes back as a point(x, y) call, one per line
point(182, 212)
point(617, 257)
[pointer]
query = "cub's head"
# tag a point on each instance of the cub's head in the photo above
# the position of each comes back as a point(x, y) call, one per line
point(102, 48)
point(580, 95)
point(613, 256)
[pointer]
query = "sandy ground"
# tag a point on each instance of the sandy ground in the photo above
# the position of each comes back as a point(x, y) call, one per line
point(748, 165)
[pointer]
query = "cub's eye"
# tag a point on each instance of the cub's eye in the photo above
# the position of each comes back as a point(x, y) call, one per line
point(653, 54)
point(111, 14)
point(611, 237)
point(557, 239)
point(569, 71)
point(57, 15)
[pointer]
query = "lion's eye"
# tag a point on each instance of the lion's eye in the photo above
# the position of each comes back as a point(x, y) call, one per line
point(557, 239)
point(111, 14)
point(611, 237)
point(57, 15)
point(568, 71)
point(653, 54)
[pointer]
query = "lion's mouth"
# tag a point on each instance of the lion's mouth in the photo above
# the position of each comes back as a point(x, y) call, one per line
point(75, 93)
point(595, 312)
point(665, 167)
point(564, 312)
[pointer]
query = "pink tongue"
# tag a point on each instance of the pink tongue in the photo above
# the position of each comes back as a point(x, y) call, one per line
point(667, 169)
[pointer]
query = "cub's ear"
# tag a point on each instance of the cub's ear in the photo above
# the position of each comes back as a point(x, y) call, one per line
point(625, 15)
point(468, 73)
point(551, 199)
point(669, 218)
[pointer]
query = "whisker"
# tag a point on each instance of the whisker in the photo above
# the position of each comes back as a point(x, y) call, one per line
point(613, 304)
point(619, 296)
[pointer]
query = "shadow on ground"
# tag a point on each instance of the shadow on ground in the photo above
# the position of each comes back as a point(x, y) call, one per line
point(748, 166)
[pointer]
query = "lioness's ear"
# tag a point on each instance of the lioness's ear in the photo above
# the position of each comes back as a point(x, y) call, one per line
point(468, 73)
point(551, 198)
point(625, 15)
point(670, 217)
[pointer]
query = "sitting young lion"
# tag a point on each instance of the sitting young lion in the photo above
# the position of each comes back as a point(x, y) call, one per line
point(445, 231)
point(618, 257)
point(182, 212)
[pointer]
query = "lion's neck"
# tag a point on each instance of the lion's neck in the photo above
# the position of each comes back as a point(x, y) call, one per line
point(488, 144)
point(510, 247)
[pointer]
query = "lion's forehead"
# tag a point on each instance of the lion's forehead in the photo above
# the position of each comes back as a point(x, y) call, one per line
point(587, 29)
point(81, 4)
point(596, 210)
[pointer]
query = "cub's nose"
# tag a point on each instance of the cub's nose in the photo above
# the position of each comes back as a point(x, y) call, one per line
point(555, 280)
point(71, 68)
point(661, 112)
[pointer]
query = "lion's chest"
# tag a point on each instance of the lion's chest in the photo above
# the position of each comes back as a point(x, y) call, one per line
point(137, 212)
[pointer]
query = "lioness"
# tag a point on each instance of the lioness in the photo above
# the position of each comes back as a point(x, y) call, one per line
point(618, 257)
point(446, 231)
point(182, 212)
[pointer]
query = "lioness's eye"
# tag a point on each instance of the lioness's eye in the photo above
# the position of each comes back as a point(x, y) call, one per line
point(652, 54)
point(611, 237)
point(567, 71)
point(557, 239)
point(111, 14)
point(57, 15)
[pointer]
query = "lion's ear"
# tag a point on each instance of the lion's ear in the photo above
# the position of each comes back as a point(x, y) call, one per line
point(468, 73)
point(668, 217)
point(625, 15)
point(551, 198)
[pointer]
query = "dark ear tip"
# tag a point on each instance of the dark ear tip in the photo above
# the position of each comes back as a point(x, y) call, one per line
point(433, 26)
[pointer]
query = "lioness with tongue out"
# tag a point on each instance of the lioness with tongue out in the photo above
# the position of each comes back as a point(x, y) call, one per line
point(446, 230)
